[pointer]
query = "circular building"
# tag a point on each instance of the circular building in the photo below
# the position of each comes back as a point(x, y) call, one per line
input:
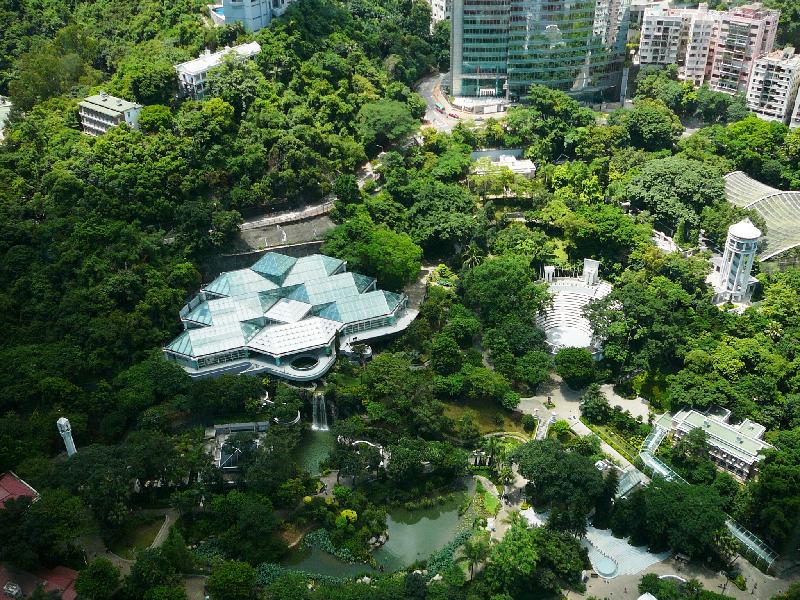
point(563, 322)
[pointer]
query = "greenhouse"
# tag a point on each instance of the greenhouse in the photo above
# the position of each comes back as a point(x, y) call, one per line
point(780, 210)
point(283, 315)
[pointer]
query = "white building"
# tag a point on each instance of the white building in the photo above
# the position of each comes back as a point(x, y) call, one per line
point(680, 36)
point(772, 93)
point(512, 162)
point(709, 46)
point(731, 276)
point(193, 74)
point(5, 110)
point(734, 448)
point(100, 113)
point(252, 14)
point(440, 10)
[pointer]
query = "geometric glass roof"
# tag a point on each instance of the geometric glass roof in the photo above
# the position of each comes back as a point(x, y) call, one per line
point(780, 210)
point(281, 305)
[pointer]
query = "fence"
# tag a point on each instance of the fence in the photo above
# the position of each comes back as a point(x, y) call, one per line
point(290, 217)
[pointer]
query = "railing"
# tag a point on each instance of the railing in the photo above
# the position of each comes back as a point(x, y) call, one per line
point(299, 215)
point(748, 539)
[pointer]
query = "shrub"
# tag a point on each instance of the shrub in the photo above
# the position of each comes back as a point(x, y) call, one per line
point(528, 423)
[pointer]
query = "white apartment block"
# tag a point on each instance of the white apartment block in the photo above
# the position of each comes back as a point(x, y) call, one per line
point(774, 82)
point(745, 34)
point(440, 10)
point(680, 36)
point(709, 46)
point(193, 74)
point(252, 14)
point(795, 121)
point(100, 113)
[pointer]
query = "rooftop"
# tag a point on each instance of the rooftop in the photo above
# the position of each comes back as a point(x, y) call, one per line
point(107, 104)
point(13, 488)
point(280, 306)
point(59, 579)
point(745, 230)
point(742, 441)
point(209, 60)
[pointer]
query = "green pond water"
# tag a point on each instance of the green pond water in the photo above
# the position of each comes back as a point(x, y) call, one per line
point(313, 449)
point(413, 534)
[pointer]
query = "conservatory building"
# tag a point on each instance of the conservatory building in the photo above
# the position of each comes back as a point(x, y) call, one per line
point(283, 316)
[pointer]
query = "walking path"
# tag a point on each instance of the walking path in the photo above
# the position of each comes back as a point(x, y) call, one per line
point(170, 516)
point(289, 216)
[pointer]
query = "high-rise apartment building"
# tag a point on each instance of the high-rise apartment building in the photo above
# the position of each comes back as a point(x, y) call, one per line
point(680, 36)
point(774, 82)
point(709, 46)
point(502, 47)
point(745, 34)
point(440, 10)
point(795, 121)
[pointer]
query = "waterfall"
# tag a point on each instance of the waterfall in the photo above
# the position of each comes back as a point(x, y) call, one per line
point(320, 412)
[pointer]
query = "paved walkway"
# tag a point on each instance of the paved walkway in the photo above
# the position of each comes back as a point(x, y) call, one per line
point(94, 547)
point(567, 401)
point(759, 585)
point(170, 516)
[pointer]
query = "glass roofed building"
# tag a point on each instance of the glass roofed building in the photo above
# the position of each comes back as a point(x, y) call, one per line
point(283, 316)
point(781, 212)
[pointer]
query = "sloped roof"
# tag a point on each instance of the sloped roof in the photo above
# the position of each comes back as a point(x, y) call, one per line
point(274, 266)
point(361, 307)
point(291, 338)
point(13, 488)
point(252, 309)
point(236, 283)
point(780, 210)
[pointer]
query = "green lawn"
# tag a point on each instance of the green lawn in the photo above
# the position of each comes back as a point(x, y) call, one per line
point(139, 537)
point(485, 415)
point(491, 503)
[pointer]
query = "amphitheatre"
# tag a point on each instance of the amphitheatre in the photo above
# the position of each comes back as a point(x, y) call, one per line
point(780, 210)
point(563, 322)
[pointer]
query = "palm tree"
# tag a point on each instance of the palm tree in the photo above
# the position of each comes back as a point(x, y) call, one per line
point(476, 550)
point(506, 475)
point(491, 445)
point(472, 256)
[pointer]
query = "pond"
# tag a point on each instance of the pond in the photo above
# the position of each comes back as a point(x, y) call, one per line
point(413, 535)
point(416, 534)
point(313, 449)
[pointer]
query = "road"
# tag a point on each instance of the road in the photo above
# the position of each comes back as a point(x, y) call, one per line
point(429, 89)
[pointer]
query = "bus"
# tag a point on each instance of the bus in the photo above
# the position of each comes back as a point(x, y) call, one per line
point(440, 107)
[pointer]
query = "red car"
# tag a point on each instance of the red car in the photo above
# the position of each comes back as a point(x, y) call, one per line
point(454, 115)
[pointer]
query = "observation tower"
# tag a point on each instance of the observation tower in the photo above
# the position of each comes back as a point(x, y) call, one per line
point(731, 277)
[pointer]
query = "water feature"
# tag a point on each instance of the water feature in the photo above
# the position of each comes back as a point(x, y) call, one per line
point(313, 449)
point(416, 534)
point(413, 535)
point(319, 412)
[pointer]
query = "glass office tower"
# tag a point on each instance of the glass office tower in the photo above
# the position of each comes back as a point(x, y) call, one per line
point(502, 47)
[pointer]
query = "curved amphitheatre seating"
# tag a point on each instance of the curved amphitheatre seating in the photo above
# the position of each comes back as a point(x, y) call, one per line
point(564, 323)
point(780, 210)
